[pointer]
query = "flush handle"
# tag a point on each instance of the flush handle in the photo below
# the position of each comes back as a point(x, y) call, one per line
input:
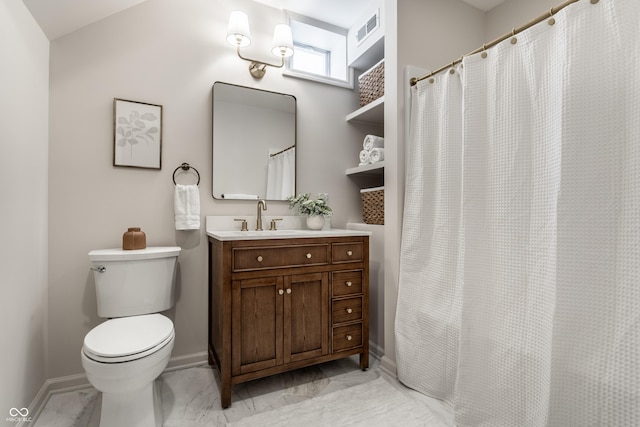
point(100, 269)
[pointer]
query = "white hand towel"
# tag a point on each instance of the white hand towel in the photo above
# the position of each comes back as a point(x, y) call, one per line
point(186, 205)
point(371, 141)
point(376, 155)
point(365, 157)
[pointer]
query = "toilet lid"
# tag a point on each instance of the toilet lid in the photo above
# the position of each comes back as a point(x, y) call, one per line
point(127, 336)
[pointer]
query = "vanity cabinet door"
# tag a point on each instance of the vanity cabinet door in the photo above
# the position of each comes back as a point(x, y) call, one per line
point(306, 316)
point(257, 324)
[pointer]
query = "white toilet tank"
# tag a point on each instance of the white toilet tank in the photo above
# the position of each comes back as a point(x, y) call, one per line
point(134, 282)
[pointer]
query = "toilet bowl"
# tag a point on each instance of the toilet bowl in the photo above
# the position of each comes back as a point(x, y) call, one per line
point(123, 356)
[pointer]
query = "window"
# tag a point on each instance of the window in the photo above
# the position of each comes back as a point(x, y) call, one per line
point(310, 59)
point(320, 52)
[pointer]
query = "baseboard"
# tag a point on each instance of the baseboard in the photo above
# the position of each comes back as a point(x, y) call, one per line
point(80, 382)
point(388, 366)
point(187, 361)
point(375, 350)
point(36, 405)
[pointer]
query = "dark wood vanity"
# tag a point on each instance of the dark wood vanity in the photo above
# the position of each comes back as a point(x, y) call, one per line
point(281, 304)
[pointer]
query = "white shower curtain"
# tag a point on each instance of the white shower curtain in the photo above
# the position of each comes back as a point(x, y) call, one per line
point(523, 307)
point(281, 175)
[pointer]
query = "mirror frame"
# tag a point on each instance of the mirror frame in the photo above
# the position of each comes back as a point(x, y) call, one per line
point(213, 142)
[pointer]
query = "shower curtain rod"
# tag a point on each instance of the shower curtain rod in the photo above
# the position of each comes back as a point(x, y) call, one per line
point(282, 151)
point(549, 14)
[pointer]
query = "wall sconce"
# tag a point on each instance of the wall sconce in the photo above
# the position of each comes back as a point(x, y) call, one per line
point(238, 35)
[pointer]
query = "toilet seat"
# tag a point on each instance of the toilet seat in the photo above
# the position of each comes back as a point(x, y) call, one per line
point(128, 338)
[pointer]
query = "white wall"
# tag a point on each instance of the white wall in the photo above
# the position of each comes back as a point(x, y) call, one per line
point(24, 74)
point(170, 53)
point(427, 34)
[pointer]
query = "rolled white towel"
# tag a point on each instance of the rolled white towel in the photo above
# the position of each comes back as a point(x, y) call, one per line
point(376, 155)
point(365, 157)
point(371, 141)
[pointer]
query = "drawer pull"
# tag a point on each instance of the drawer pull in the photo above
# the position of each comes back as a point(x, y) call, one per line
point(349, 283)
point(349, 337)
point(349, 310)
point(259, 258)
point(280, 291)
point(349, 253)
point(288, 290)
point(308, 256)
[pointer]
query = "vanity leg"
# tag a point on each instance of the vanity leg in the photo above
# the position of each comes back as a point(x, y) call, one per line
point(364, 360)
point(225, 395)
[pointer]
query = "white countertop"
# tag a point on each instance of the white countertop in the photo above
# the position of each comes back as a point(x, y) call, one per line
point(225, 228)
point(282, 234)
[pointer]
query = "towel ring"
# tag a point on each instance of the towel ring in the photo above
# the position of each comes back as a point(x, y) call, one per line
point(185, 167)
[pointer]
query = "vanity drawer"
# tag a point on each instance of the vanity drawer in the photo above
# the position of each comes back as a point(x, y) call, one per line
point(346, 310)
point(268, 257)
point(345, 283)
point(346, 252)
point(345, 337)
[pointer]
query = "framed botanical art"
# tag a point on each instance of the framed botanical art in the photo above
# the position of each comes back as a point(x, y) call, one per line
point(137, 134)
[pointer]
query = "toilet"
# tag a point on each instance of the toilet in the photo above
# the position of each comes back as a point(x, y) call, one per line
point(124, 355)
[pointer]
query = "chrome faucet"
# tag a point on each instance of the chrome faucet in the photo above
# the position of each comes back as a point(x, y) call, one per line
point(259, 214)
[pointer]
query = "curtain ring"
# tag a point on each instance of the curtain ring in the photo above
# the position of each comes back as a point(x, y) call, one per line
point(484, 51)
point(514, 40)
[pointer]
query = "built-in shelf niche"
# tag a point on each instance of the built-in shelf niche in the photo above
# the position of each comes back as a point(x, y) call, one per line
point(372, 113)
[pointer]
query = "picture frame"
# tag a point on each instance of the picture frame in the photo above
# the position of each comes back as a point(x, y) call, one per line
point(137, 134)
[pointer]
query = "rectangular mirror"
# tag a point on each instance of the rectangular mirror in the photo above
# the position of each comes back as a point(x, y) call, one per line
point(254, 143)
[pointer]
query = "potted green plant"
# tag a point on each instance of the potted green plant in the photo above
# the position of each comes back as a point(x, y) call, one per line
point(316, 209)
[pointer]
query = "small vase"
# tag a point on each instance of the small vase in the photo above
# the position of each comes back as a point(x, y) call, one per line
point(315, 222)
point(134, 238)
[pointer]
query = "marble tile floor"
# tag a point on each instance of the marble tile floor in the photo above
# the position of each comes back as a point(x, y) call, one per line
point(190, 397)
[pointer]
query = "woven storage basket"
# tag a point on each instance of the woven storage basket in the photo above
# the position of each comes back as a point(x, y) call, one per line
point(373, 205)
point(371, 84)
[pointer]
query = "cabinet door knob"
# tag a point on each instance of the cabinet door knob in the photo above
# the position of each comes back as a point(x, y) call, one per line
point(349, 253)
point(280, 291)
point(259, 258)
point(349, 310)
point(349, 283)
point(308, 256)
point(288, 290)
point(349, 337)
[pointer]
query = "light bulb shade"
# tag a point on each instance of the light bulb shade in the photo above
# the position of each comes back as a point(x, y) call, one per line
point(282, 41)
point(238, 33)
